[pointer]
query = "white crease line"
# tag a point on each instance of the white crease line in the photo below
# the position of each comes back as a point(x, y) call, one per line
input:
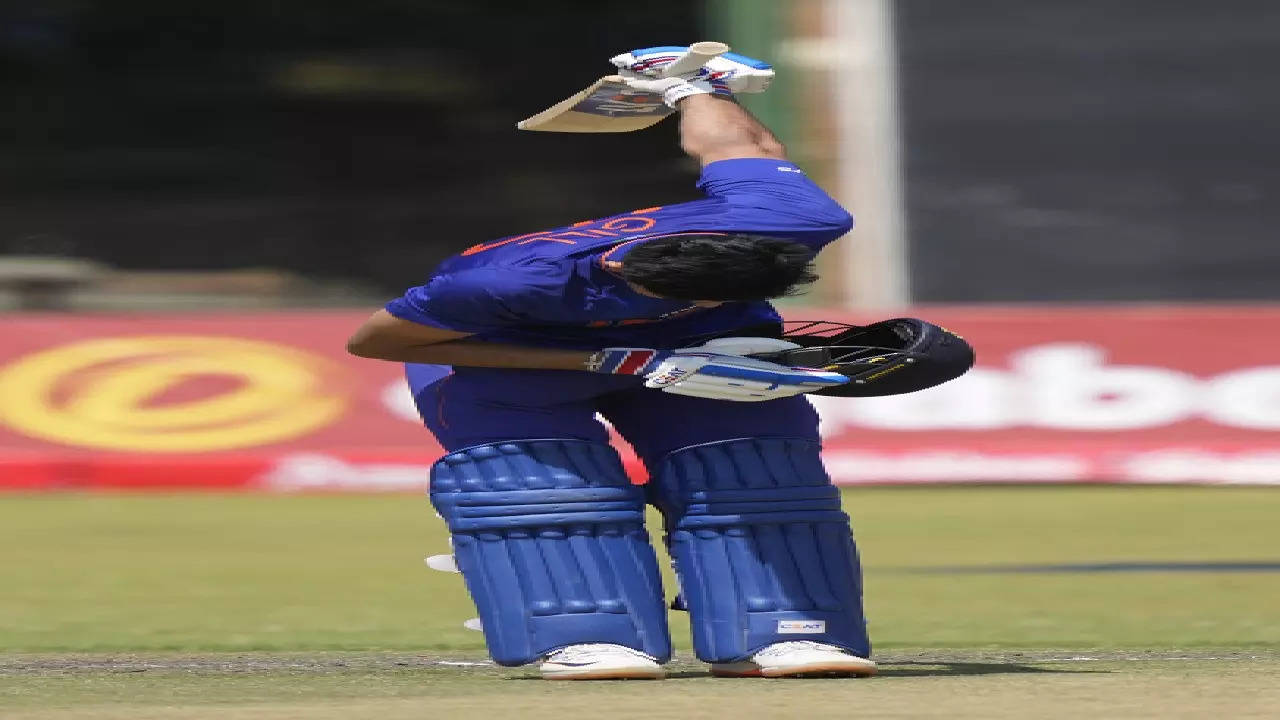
point(1135, 657)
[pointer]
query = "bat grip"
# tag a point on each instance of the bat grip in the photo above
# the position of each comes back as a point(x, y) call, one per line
point(697, 56)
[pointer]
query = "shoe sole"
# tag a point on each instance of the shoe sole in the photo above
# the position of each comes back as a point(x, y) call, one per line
point(610, 674)
point(802, 671)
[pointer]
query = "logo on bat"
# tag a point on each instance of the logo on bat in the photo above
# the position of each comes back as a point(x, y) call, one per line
point(609, 102)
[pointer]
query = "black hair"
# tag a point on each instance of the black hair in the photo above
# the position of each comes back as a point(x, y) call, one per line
point(707, 266)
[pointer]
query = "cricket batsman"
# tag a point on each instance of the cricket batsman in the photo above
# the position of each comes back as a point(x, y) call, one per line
point(658, 320)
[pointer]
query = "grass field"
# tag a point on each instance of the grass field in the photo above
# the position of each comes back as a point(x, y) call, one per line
point(202, 606)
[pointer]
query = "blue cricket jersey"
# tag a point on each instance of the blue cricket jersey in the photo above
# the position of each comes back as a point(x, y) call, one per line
point(550, 288)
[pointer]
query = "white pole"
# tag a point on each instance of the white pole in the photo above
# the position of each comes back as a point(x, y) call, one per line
point(869, 176)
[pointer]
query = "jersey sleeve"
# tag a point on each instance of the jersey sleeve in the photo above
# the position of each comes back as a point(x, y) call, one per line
point(774, 197)
point(471, 301)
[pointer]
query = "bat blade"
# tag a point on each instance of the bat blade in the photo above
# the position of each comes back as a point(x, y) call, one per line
point(606, 106)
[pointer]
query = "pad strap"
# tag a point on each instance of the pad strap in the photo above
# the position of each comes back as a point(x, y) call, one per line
point(549, 536)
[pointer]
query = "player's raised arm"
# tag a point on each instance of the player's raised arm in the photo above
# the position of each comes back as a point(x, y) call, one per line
point(717, 128)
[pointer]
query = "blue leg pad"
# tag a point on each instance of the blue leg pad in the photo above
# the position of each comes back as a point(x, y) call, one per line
point(549, 536)
point(761, 548)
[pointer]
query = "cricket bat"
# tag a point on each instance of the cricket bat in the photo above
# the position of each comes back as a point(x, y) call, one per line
point(610, 106)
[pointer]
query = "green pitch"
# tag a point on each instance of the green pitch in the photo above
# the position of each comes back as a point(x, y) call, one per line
point(272, 606)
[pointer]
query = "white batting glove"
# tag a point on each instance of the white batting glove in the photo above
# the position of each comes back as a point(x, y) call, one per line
point(718, 370)
point(644, 361)
point(740, 346)
point(672, 89)
point(727, 74)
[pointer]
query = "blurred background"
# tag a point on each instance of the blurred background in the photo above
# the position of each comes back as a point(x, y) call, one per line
point(284, 153)
point(1086, 190)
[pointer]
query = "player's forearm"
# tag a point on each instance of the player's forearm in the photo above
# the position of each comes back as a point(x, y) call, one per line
point(715, 128)
point(473, 353)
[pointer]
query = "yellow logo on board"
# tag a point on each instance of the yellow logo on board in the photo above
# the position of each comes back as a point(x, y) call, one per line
point(169, 393)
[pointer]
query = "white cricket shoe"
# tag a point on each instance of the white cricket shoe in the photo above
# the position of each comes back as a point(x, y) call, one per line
point(797, 658)
point(600, 661)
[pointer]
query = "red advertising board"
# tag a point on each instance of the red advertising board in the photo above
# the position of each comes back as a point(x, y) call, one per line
point(271, 401)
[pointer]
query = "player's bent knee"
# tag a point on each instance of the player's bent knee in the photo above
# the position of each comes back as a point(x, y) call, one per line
point(762, 550)
point(549, 536)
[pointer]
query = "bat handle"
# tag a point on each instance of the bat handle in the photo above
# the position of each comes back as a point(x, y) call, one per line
point(698, 55)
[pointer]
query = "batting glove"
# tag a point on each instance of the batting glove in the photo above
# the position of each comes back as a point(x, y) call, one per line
point(627, 360)
point(643, 361)
point(727, 74)
point(672, 89)
point(716, 371)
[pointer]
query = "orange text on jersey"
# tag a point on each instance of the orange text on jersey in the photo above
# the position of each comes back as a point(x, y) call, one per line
point(619, 226)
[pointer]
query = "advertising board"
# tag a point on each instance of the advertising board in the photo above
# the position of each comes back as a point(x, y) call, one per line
point(272, 401)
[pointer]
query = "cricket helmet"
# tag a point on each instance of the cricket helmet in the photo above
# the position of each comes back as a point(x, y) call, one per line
point(890, 357)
